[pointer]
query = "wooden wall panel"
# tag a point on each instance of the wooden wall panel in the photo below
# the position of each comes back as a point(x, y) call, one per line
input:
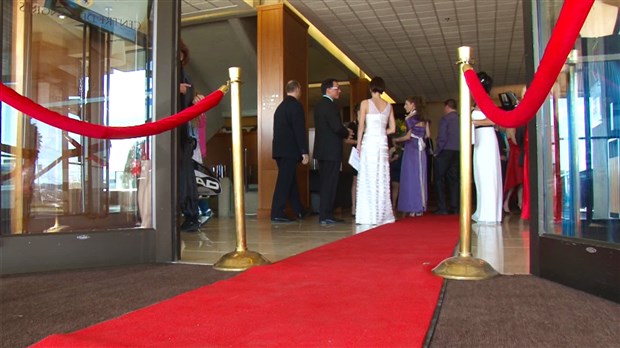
point(282, 56)
point(296, 68)
point(359, 92)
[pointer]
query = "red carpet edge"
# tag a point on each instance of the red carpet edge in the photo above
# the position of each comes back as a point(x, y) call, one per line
point(374, 289)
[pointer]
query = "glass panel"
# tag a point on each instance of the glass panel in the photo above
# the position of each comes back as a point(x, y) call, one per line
point(581, 131)
point(87, 60)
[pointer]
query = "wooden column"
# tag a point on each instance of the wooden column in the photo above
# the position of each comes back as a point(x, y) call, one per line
point(359, 91)
point(282, 56)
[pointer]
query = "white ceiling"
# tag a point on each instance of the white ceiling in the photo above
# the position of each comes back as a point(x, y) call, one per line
point(413, 44)
point(193, 7)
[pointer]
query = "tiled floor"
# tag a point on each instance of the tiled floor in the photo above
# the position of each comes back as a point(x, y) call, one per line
point(505, 246)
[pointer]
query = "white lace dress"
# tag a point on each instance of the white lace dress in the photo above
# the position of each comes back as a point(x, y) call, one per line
point(374, 206)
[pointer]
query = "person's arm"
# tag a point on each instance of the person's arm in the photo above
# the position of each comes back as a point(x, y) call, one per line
point(197, 98)
point(391, 123)
point(483, 122)
point(335, 124)
point(442, 138)
point(405, 137)
point(183, 87)
point(428, 130)
point(298, 124)
point(353, 140)
point(511, 135)
point(394, 155)
point(361, 124)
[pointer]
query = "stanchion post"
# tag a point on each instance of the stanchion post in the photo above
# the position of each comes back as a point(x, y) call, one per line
point(242, 258)
point(464, 266)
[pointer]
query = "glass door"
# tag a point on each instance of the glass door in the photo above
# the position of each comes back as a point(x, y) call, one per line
point(579, 169)
point(77, 196)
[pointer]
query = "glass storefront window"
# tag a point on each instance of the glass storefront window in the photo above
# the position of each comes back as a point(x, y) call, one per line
point(580, 131)
point(88, 60)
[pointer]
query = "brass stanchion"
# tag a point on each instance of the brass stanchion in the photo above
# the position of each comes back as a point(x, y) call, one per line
point(57, 227)
point(242, 258)
point(464, 266)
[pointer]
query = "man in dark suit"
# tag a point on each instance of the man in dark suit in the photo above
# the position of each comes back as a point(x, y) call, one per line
point(330, 133)
point(289, 146)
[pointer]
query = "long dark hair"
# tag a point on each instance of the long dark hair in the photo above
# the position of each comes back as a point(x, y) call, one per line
point(185, 50)
point(420, 106)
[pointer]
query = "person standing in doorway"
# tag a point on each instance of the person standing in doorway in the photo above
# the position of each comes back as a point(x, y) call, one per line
point(188, 141)
point(328, 140)
point(289, 147)
point(447, 157)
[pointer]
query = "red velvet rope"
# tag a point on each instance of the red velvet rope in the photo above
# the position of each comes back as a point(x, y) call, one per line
point(36, 111)
point(571, 19)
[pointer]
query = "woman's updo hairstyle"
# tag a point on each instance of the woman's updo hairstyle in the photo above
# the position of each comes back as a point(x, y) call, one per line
point(377, 85)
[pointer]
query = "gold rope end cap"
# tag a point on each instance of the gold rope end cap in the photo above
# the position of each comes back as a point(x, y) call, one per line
point(225, 88)
point(466, 67)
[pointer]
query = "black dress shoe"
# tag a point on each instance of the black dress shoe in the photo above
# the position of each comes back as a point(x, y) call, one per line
point(190, 225)
point(281, 219)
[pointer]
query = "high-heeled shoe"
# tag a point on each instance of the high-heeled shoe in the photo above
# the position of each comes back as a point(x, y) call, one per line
point(506, 208)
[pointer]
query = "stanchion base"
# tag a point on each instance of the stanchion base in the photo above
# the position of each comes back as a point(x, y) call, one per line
point(240, 261)
point(56, 228)
point(465, 268)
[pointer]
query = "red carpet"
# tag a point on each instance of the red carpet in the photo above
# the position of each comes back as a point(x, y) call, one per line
point(374, 289)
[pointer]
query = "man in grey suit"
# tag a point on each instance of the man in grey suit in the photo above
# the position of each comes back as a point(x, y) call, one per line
point(289, 146)
point(330, 133)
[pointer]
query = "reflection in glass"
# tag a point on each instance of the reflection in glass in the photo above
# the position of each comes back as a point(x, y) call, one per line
point(490, 244)
point(57, 181)
point(579, 132)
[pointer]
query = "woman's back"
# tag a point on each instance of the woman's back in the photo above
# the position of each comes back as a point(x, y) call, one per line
point(418, 128)
point(376, 120)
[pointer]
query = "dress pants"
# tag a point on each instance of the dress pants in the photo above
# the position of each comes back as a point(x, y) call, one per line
point(328, 177)
point(188, 191)
point(286, 188)
point(447, 166)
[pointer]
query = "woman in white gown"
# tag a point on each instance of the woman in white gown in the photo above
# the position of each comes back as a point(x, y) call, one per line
point(487, 166)
point(376, 121)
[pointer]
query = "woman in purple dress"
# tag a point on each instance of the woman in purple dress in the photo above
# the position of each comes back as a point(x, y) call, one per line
point(413, 195)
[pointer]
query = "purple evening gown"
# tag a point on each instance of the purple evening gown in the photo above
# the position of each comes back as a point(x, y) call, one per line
point(412, 197)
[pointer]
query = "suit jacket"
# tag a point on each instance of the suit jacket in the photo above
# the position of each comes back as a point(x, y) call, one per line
point(449, 137)
point(329, 131)
point(289, 130)
point(186, 100)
